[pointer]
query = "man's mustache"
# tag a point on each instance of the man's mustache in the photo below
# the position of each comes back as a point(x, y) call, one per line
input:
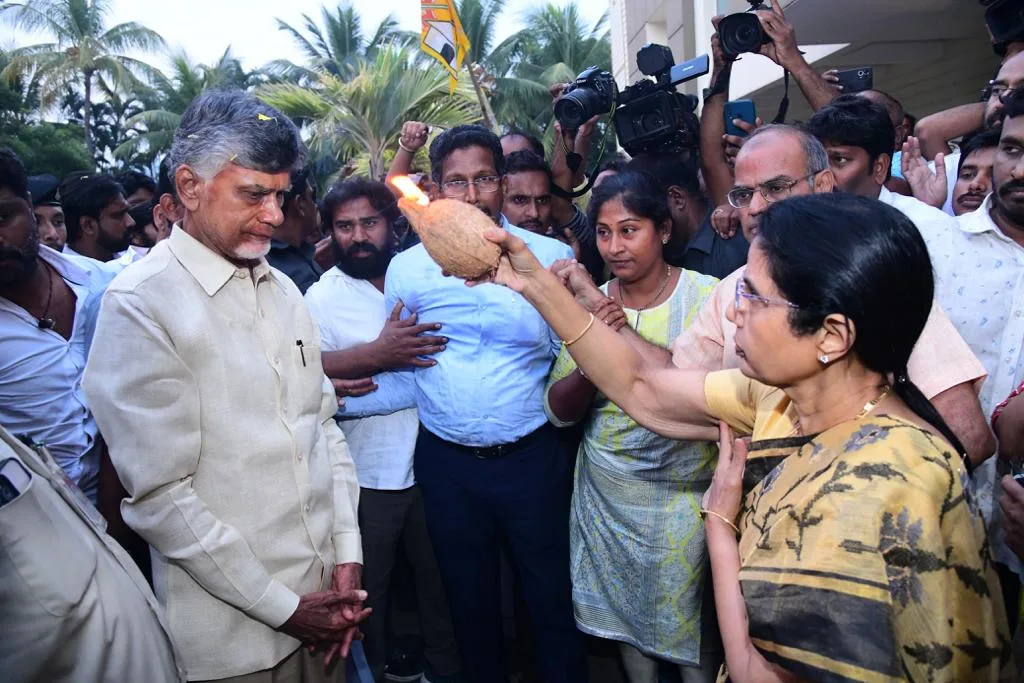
point(1012, 186)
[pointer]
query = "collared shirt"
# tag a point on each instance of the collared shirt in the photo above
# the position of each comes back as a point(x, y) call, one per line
point(224, 437)
point(488, 385)
point(709, 253)
point(930, 221)
point(940, 360)
point(41, 373)
point(298, 263)
point(109, 269)
point(350, 312)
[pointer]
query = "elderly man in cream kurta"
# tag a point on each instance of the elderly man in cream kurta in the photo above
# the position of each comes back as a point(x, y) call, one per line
point(206, 381)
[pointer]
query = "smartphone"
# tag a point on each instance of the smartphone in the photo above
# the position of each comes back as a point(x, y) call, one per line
point(14, 480)
point(856, 80)
point(743, 110)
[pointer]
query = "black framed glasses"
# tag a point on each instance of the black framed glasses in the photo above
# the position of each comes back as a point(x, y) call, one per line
point(1000, 90)
point(774, 190)
point(459, 188)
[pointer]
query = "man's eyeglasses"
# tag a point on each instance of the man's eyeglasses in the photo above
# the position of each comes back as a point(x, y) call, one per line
point(743, 293)
point(999, 90)
point(459, 188)
point(368, 223)
point(774, 190)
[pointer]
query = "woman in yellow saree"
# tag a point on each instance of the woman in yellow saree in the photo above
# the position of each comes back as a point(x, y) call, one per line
point(846, 546)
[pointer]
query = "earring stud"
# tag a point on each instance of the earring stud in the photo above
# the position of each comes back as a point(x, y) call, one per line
point(823, 358)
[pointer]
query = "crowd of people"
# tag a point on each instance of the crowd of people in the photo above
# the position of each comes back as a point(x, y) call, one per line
point(751, 412)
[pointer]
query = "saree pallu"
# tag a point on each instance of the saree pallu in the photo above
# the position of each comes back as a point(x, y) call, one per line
point(864, 558)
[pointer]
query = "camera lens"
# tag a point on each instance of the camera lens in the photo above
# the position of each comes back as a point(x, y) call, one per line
point(576, 107)
point(741, 33)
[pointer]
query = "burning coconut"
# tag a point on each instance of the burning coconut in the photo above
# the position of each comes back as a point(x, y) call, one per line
point(452, 232)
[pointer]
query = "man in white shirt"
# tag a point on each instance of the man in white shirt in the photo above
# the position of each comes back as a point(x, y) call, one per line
point(224, 437)
point(359, 339)
point(858, 136)
point(96, 214)
point(48, 307)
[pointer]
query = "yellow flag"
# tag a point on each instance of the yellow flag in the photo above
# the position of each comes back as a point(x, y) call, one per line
point(442, 37)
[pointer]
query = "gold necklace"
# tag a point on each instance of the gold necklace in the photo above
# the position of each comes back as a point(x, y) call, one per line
point(661, 290)
point(868, 407)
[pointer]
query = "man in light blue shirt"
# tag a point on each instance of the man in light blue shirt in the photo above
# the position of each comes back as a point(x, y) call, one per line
point(491, 468)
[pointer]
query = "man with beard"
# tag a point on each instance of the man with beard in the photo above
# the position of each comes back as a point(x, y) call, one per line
point(48, 212)
point(974, 176)
point(360, 339)
point(48, 308)
point(934, 132)
point(224, 434)
point(491, 468)
point(290, 250)
point(96, 213)
point(979, 269)
point(858, 136)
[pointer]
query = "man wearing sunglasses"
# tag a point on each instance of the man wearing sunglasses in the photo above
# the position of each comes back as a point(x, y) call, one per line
point(492, 470)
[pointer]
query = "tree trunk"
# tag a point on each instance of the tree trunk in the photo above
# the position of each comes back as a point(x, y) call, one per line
point(485, 105)
point(90, 145)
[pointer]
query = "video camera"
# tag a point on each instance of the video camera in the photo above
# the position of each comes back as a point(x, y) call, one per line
point(1005, 21)
point(650, 116)
point(742, 32)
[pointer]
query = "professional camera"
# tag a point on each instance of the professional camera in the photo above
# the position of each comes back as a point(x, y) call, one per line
point(591, 94)
point(742, 32)
point(650, 115)
point(1005, 21)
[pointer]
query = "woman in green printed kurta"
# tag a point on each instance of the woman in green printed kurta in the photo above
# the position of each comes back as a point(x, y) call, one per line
point(638, 556)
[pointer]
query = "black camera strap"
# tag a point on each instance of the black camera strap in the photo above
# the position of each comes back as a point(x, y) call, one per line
point(780, 117)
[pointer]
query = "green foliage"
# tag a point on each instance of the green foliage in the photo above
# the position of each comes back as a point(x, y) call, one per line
point(57, 148)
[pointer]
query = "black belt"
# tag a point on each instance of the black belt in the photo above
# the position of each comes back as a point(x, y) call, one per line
point(488, 452)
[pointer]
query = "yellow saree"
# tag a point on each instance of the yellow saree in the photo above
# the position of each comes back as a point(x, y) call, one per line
point(862, 555)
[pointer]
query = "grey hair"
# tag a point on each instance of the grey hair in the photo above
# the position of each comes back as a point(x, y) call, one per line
point(232, 126)
point(814, 151)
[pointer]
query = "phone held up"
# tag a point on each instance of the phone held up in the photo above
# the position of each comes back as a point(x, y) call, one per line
point(743, 110)
point(856, 80)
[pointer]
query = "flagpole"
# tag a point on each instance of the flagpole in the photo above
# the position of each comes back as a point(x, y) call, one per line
point(485, 105)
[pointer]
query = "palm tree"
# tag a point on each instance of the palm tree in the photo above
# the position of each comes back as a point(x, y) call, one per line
point(170, 95)
point(360, 119)
point(334, 47)
point(83, 49)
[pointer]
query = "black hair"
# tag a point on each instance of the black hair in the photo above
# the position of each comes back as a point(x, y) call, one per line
point(640, 192)
point(131, 181)
point(165, 180)
point(13, 175)
point(461, 137)
point(671, 170)
point(142, 214)
point(893, 107)
point(616, 165)
point(536, 146)
point(836, 253)
point(526, 161)
point(855, 121)
point(983, 139)
point(375, 192)
point(301, 180)
point(86, 194)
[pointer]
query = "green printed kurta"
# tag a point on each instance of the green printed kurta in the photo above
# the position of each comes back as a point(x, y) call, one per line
point(638, 555)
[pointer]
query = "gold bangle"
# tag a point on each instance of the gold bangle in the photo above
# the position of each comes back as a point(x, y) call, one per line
point(704, 513)
point(585, 330)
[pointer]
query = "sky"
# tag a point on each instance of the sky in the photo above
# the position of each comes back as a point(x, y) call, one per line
point(205, 27)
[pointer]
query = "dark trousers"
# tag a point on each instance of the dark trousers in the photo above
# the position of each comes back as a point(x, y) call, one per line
point(387, 519)
point(519, 500)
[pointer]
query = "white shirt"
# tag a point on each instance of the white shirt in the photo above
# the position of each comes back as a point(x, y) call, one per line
point(223, 434)
point(929, 220)
point(351, 312)
point(952, 163)
point(41, 373)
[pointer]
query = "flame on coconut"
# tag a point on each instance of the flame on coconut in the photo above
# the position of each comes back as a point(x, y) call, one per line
point(410, 190)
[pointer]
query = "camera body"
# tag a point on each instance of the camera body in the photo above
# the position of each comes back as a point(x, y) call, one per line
point(591, 94)
point(1005, 21)
point(650, 115)
point(742, 32)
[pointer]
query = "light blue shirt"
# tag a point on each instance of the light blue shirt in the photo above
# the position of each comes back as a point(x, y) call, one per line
point(488, 385)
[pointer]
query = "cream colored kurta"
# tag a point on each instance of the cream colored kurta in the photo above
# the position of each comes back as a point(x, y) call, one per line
point(75, 607)
point(206, 382)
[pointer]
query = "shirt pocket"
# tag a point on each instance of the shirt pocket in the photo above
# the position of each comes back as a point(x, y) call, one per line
point(51, 554)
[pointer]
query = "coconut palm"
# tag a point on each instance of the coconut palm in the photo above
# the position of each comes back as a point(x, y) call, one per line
point(170, 95)
point(83, 49)
point(335, 45)
point(360, 119)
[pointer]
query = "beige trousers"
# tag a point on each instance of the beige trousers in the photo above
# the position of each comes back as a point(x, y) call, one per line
point(298, 667)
